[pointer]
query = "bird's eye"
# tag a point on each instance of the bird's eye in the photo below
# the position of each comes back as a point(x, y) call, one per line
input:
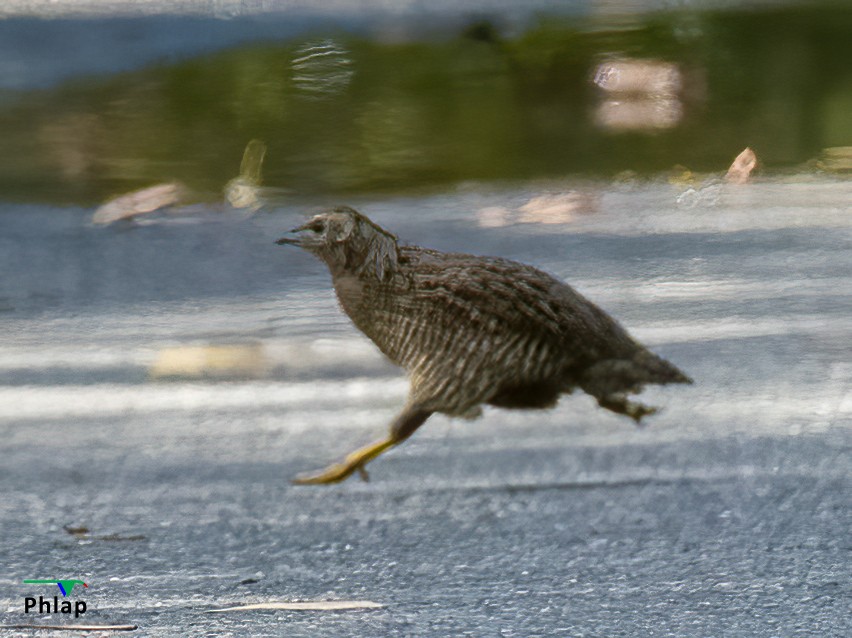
point(317, 226)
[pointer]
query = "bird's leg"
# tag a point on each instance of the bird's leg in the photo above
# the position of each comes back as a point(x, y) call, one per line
point(403, 427)
point(353, 462)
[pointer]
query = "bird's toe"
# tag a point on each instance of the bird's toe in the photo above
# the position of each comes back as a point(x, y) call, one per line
point(332, 474)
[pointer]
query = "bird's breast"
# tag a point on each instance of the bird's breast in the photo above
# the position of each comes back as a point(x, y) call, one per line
point(373, 308)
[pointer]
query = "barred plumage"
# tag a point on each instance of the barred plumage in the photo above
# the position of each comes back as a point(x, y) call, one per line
point(473, 330)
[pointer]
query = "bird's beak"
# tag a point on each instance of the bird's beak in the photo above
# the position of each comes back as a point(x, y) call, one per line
point(291, 238)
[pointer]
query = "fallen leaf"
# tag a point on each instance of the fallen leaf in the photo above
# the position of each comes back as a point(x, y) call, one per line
point(139, 202)
point(557, 208)
point(742, 167)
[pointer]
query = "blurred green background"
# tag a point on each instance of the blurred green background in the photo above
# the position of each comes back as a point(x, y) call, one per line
point(343, 112)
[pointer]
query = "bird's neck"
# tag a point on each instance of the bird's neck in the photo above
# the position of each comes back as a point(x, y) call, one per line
point(373, 259)
point(366, 279)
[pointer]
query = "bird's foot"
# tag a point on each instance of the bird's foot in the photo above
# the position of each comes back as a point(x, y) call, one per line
point(334, 473)
point(620, 404)
point(354, 462)
point(636, 411)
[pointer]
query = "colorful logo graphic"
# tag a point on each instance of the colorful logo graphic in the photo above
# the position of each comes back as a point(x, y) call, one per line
point(66, 585)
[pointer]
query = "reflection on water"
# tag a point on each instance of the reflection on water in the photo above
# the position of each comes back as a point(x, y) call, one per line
point(321, 69)
point(640, 94)
point(342, 113)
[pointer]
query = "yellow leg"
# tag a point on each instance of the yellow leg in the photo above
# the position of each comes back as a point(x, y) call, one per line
point(402, 427)
point(355, 461)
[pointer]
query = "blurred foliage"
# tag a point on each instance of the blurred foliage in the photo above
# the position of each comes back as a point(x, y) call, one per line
point(341, 114)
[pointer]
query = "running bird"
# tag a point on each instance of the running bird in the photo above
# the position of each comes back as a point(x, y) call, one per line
point(472, 330)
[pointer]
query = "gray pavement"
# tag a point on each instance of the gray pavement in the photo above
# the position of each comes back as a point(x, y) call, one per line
point(728, 516)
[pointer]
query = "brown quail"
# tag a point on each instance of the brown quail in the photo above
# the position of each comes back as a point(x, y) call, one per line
point(472, 330)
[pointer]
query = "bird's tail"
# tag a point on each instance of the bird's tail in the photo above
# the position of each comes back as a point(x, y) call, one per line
point(658, 370)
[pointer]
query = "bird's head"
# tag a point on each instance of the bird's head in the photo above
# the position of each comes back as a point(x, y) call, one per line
point(346, 240)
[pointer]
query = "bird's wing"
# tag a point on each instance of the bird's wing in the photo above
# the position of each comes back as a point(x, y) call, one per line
point(474, 324)
point(506, 297)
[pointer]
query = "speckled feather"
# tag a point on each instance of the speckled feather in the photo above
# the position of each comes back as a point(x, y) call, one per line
point(476, 330)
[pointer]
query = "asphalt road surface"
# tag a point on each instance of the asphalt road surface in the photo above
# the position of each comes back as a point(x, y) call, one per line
point(160, 383)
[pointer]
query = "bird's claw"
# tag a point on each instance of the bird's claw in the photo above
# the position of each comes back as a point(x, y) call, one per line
point(333, 474)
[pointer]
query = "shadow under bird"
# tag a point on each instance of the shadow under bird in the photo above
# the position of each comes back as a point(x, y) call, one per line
point(472, 331)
